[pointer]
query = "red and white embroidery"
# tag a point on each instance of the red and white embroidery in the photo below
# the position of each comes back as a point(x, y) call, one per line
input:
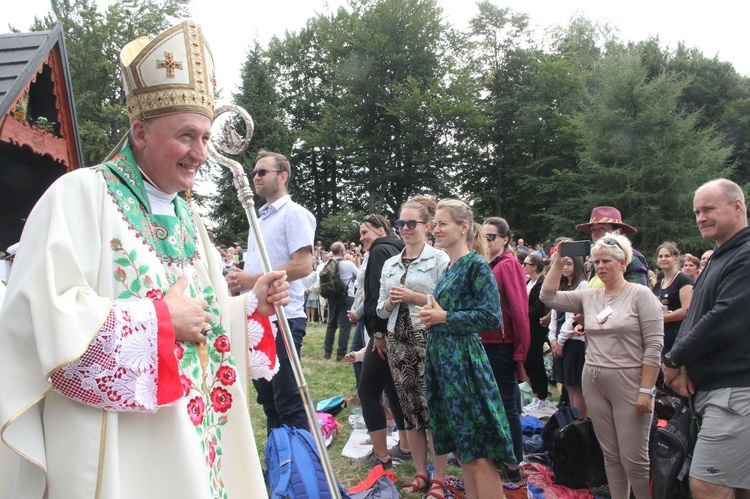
point(261, 335)
point(118, 371)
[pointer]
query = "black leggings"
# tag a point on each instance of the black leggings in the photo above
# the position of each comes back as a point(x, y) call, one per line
point(376, 377)
point(535, 365)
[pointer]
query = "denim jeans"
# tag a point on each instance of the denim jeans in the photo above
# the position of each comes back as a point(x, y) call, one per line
point(504, 368)
point(280, 397)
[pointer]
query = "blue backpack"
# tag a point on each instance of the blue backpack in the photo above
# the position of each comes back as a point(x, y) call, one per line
point(294, 470)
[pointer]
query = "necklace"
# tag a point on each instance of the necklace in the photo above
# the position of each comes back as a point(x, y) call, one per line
point(618, 291)
point(671, 280)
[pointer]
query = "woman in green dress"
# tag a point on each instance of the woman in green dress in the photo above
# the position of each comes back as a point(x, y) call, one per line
point(466, 411)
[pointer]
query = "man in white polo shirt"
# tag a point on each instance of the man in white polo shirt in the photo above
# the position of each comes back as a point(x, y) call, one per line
point(289, 233)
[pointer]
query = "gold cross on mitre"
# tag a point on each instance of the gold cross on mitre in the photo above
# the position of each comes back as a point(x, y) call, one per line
point(170, 64)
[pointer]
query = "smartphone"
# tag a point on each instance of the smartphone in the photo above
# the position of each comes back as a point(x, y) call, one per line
point(576, 248)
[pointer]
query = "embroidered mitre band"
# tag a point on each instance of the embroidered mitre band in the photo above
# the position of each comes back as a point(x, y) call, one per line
point(173, 73)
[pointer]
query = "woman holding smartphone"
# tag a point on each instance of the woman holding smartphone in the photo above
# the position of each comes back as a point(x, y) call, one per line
point(624, 330)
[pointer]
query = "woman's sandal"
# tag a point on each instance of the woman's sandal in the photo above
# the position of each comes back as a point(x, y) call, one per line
point(436, 490)
point(415, 486)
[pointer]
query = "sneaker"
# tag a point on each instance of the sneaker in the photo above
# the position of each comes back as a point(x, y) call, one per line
point(535, 405)
point(396, 453)
point(371, 460)
point(507, 474)
point(546, 404)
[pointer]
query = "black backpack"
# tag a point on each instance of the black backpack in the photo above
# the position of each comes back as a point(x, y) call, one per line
point(671, 452)
point(331, 285)
point(577, 458)
point(565, 415)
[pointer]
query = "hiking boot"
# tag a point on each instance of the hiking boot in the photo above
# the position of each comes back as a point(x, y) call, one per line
point(508, 475)
point(339, 358)
point(371, 460)
point(327, 356)
point(396, 453)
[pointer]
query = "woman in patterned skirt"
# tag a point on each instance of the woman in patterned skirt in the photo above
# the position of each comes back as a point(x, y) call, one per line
point(466, 411)
point(406, 281)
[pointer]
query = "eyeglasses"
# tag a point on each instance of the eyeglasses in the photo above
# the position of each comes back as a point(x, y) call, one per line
point(491, 237)
point(261, 172)
point(612, 242)
point(373, 220)
point(409, 224)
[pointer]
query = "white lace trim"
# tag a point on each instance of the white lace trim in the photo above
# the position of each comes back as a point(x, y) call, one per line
point(118, 371)
point(259, 361)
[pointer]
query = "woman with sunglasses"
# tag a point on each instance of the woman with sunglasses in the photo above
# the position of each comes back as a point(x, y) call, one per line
point(624, 331)
point(407, 279)
point(508, 345)
point(467, 415)
point(375, 377)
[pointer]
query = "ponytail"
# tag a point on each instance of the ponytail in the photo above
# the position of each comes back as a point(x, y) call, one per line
point(477, 241)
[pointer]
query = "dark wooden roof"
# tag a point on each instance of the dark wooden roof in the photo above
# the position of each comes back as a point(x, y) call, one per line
point(20, 57)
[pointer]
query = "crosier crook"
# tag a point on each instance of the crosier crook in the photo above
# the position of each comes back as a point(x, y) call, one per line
point(230, 142)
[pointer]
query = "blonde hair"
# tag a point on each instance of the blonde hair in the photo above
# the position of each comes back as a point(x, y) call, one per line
point(460, 212)
point(425, 205)
point(621, 250)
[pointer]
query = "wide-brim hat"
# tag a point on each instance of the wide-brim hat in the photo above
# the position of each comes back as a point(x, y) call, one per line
point(606, 215)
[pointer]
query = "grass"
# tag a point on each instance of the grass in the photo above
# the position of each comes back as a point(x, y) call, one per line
point(326, 378)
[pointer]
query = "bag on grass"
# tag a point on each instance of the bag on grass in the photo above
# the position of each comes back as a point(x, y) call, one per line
point(671, 454)
point(294, 470)
point(561, 418)
point(328, 426)
point(331, 285)
point(577, 459)
point(332, 406)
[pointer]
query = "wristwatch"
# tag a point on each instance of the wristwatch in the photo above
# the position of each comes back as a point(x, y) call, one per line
point(378, 335)
point(667, 360)
point(648, 391)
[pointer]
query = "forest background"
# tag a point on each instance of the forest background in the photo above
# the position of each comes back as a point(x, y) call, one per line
point(383, 99)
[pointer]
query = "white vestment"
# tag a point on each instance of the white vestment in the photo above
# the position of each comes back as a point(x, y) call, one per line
point(90, 249)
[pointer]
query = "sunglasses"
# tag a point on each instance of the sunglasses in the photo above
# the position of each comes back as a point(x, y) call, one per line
point(409, 224)
point(528, 263)
point(261, 172)
point(491, 237)
point(612, 242)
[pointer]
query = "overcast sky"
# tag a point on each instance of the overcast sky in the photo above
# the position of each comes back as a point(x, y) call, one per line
point(716, 28)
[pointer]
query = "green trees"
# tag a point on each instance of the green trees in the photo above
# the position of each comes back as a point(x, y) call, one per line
point(643, 153)
point(382, 99)
point(93, 41)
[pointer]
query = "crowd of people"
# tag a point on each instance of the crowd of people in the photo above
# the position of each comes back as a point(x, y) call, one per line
point(609, 321)
point(130, 340)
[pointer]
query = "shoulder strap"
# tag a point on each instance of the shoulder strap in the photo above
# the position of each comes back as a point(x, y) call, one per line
point(280, 439)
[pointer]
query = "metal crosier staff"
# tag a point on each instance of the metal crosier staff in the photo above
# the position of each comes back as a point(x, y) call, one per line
point(232, 143)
